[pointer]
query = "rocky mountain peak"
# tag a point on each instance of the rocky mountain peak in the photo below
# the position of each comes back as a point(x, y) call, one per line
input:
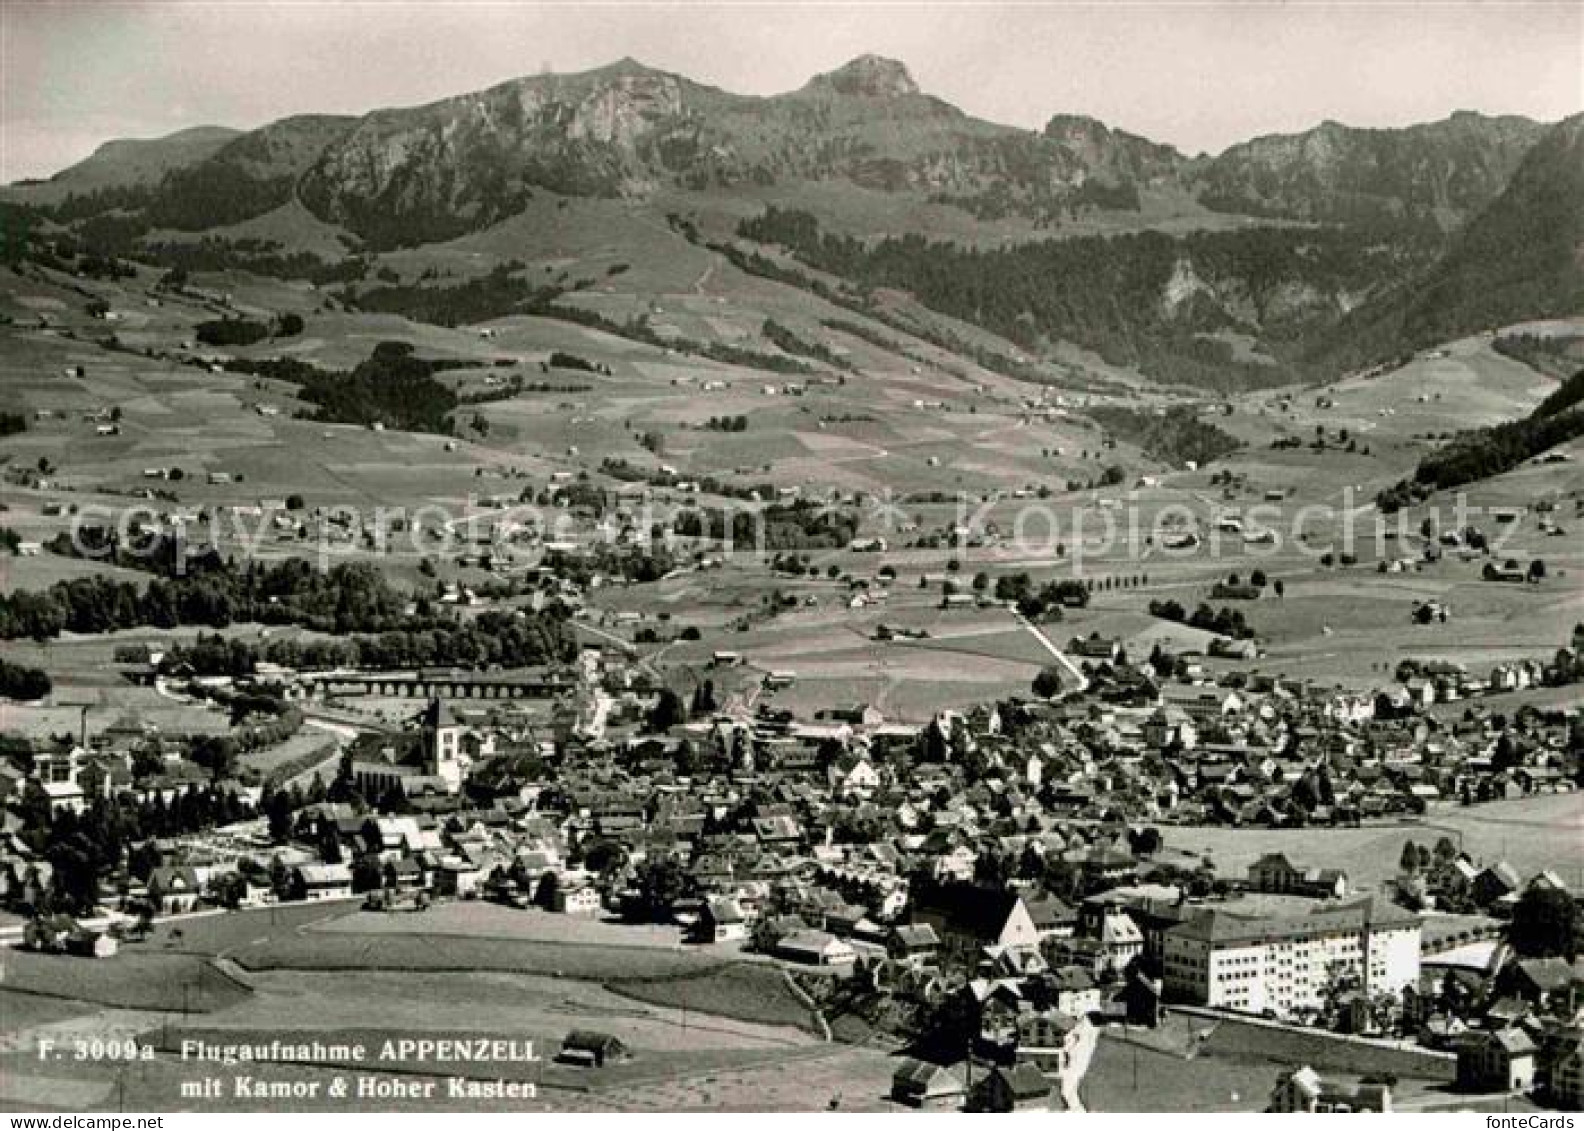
point(869, 76)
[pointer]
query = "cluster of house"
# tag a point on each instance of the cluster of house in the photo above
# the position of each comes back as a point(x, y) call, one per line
point(1424, 683)
point(1514, 1023)
point(996, 779)
point(1255, 749)
point(1530, 1038)
point(73, 774)
point(989, 857)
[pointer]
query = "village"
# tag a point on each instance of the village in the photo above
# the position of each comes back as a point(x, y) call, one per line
point(774, 563)
point(989, 890)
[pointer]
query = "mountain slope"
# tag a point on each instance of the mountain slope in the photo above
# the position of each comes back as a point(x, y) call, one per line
point(1520, 258)
point(436, 171)
point(1438, 172)
point(247, 177)
point(408, 176)
point(125, 164)
point(1335, 257)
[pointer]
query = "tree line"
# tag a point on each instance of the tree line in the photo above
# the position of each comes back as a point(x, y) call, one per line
point(1225, 621)
point(493, 637)
point(348, 597)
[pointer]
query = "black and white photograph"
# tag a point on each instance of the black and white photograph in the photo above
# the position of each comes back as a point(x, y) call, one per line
point(855, 557)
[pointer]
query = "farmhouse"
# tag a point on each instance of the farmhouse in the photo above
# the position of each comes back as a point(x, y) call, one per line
point(1020, 1087)
point(1304, 1090)
point(816, 948)
point(174, 891)
point(1095, 647)
point(587, 1048)
point(720, 920)
point(321, 881)
point(1499, 1061)
point(927, 1086)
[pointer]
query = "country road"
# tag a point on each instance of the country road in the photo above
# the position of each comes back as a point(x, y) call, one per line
point(1061, 657)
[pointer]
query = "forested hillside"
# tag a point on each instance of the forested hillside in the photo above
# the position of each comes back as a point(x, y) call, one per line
point(1145, 300)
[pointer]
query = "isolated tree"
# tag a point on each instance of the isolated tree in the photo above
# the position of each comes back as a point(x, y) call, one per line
point(1145, 841)
point(766, 934)
point(1048, 682)
point(1409, 861)
point(549, 887)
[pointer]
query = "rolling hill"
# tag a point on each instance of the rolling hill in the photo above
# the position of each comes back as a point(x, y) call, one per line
point(128, 163)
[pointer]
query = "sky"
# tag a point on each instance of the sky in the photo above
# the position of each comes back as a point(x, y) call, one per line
point(1199, 75)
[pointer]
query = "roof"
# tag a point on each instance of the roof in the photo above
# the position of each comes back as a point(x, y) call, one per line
point(970, 910)
point(1506, 873)
point(813, 941)
point(1048, 911)
point(591, 1039)
point(1119, 928)
point(926, 1074)
point(1513, 1040)
point(1551, 974)
point(175, 879)
point(325, 873)
point(1273, 860)
point(1024, 1081)
point(1304, 1078)
point(440, 714)
point(916, 934)
point(1072, 978)
point(1220, 927)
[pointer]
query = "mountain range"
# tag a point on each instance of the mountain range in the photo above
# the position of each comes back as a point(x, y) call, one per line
point(1445, 227)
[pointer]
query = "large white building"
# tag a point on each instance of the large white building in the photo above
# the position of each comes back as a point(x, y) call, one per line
point(1284, 965)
